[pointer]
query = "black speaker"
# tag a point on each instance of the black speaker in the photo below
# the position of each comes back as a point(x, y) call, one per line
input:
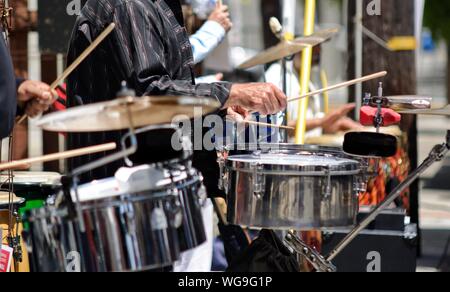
point(56, 19)
point(387, 245)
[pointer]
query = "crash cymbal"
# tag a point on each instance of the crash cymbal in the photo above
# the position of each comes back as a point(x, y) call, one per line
point(288, 48)
point(113, 115)
point(317, 38)
point(433, 112)
point(278, 52)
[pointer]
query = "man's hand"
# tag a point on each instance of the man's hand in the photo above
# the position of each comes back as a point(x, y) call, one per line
point(264, 98)
point(35, 97)
point(222, 16)
point(342, 125)
point(336, 121)
point(238, 114)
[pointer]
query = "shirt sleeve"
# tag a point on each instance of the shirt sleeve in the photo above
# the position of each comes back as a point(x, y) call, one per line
point(206, 39)
point(8, 102)
point(142, 53)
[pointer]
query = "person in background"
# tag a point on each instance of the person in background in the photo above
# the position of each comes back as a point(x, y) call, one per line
point(211, 34)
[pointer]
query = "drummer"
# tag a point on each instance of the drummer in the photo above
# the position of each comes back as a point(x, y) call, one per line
point(150, 50)
point(317, 123)
point(18, 96)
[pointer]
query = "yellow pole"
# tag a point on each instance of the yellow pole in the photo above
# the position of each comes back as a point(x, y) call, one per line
point(326, 96)
point(305, 72)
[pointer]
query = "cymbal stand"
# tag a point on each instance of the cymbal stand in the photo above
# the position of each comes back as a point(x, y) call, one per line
point(186, 143)
point(317, 261)
point(99, 163)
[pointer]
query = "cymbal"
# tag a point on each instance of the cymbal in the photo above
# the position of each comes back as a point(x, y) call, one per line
point(433, 112)
point(409, 102)
point(318, 37)
point(113, 115)
point(288, 48)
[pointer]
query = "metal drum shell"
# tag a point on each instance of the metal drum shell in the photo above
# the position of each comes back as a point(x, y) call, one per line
point(192, 194)
point(120, 231)
point(120, 236)
point(291, 196)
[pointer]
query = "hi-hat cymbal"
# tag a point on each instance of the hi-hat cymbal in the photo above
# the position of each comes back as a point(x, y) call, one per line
point(288, 48)
point(113, 115)
point(409, 102)
point(433, 112)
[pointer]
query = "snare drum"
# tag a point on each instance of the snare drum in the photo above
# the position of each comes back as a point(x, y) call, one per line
point(141, 219)
point(286, 187)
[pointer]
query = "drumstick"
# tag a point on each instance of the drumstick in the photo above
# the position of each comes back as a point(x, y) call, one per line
point(263, 124)
point(78, 61)
point(268, 125)
point(58, 156)
point(341, 85)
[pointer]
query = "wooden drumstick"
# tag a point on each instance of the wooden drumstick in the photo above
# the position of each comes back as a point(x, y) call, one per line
point(78, 61)
point(261, 124)
point(268, 125)
point(58, 156)
point(341, 85)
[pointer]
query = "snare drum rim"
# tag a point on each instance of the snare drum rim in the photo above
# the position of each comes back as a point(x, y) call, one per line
point(182, 180)
point(282, 147)
point(346, 167)
point(53, 179)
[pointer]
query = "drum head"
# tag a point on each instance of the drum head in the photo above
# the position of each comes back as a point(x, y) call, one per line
point(301, 163)
point(140, 179)
point(33, 185)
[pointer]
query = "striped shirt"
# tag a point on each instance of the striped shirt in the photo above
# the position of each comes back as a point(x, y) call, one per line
point(149, 49)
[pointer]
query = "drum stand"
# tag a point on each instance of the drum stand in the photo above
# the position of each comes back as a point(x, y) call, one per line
point(322, 264)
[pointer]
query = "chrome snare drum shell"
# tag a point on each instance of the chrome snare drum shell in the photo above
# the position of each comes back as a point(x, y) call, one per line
point(292, 187)
point(141, 219)
point(123, 233)
point(192, 195)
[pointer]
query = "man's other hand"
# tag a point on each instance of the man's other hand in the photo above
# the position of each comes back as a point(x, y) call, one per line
point(35, 97)
point(222, 16)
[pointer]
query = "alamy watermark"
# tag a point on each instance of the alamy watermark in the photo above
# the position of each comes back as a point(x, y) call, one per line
point(74, 8)
point(73, 262)
point(213, 132)
point(374, 259)
point(373, 8)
